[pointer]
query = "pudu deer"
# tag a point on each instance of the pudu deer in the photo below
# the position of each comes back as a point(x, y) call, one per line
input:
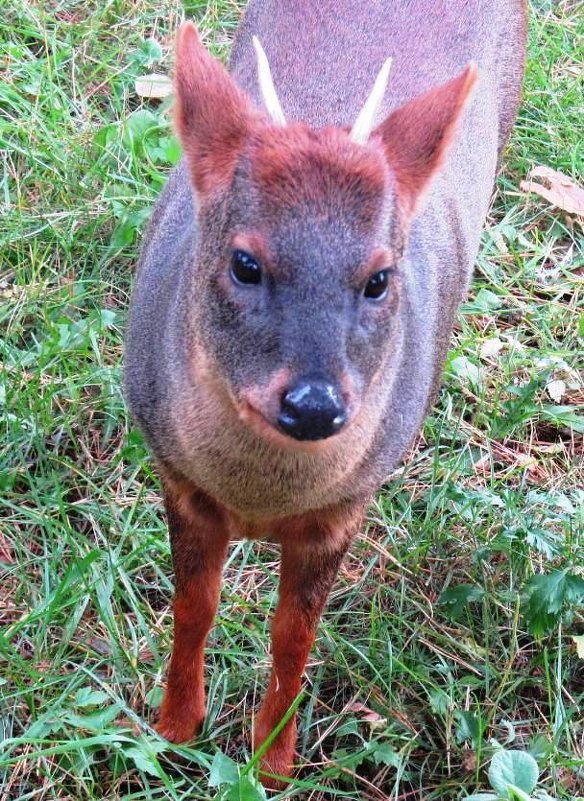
point(297, 289)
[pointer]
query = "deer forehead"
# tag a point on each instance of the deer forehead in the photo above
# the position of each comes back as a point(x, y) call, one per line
point(296, 165)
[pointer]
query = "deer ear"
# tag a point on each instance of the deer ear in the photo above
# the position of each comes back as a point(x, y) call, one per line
point(417, 135)
point(212, 115)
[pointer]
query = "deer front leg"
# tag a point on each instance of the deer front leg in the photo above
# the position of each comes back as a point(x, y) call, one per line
point(198, 538)
point(309, 563)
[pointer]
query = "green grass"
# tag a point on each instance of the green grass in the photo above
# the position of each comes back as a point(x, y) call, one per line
point(441, 638)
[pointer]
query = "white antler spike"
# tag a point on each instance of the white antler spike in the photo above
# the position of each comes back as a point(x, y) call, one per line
point(364, 123)
point(269, 95)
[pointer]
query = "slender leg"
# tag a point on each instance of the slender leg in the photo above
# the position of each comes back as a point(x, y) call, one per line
point(198, 538)
point(310, 561)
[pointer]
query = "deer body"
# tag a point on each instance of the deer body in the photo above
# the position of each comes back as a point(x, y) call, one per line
point(211, 363)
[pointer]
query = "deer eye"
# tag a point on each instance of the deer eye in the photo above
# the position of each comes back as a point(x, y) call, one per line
point(376, 286)
point(244, 268)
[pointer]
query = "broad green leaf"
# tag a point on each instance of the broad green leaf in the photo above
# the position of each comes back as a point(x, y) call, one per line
point(542, 540)
point(350, 758)
point(384, 754)
point(574, 589)
point(246, 789)
point(223, 770)
point(483, 302)
point(470, 727)
point(439, 701)
point(107, 317)
point(565, 416)
point(106, 135)
point(138, 125)
point(481, 797)
point(513, 768)
point(149, 52)
point(542, 601)
point(544, 596)
point(349, 727)
point(172, 149)
point(42, 727)
point(454, 599)
point(94, 721)
point(155, 696)
point(151, 49)
point(516, 794)
point(465, 369)
point(144, 761)
point(540, 747)
point(86, 696)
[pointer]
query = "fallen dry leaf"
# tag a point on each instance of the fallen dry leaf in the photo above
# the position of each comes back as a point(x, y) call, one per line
point(556, 188)
point(490, 347)
point(368, 715)
point(556, 389)
point(579, 642)
point(469, 761)
point(5, 550)
point(154, 85)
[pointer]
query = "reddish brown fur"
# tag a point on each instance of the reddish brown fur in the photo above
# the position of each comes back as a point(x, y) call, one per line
point(305, 581)
point(199, 536)
point(414, 158)
point(298, 166)
point(220, 113)
point(313, 546)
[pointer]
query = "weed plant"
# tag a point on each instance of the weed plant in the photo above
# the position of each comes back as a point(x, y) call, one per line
point(456, 627)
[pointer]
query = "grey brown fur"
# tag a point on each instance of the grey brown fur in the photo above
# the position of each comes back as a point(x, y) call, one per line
point(198, 347)
point(323, 66)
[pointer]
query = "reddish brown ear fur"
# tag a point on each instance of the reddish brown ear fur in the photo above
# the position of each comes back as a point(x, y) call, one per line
point(417, 135)
point(212, 114)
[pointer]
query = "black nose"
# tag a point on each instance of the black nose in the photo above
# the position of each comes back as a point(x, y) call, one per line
point(312, 409)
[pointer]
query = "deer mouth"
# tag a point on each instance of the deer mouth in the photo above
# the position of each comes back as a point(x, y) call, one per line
point(261, 425)
point(297, 413)
point(271, 431)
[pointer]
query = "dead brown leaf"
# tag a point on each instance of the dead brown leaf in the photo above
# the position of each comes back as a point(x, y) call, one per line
point(469, 761)
point(556, 188)
point(5, 550)
point(154, 85)
point(368, 715)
